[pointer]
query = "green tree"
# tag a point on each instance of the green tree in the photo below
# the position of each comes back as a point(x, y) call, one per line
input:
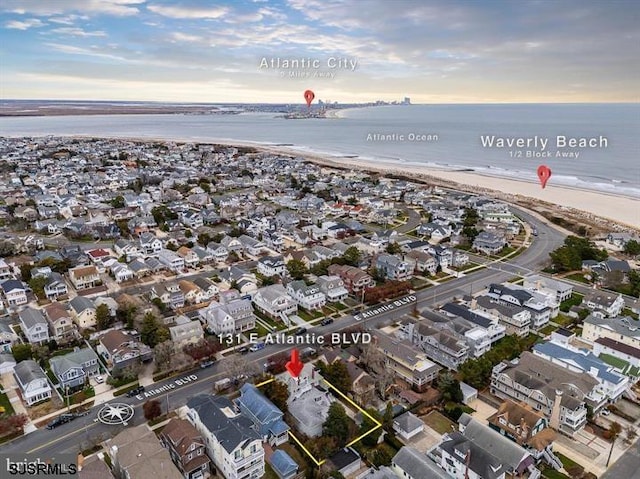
point(321, 268)
point(337, 424)
point(103, 317)
point(37, 286)
point(278, 393)
point(470, 217)
point(151, 332)
point(387, 418)
point(337, 374)
point(367, 425)
point(22, 352)
point(450, 387)
point(393, 248)
point(25, 272)
point(632, 247)
point(352, 256)
point(296, 269)
point(118, 202)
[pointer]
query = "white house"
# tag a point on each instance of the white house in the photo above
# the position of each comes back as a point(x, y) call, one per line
point(185, 332)
point(34, 325)
point(274, 301)
point(272, 265)
point(332, 287)
point(14, 292)
point(232, 444)
point(32, 381)
point(171, 260)
point(307, 297)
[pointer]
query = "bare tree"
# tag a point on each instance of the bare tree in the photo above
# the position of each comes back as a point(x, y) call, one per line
point(235, 366)
point(162, 354)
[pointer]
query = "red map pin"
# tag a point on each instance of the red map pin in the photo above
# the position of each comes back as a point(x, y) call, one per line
point(544, 173)
point(309, 96)
point(294, 366)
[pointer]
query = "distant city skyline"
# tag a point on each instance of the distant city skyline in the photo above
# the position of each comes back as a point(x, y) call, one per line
point(347, 51)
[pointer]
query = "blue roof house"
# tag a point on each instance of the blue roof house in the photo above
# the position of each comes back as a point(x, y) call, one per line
point(266, 417)
point(283, 465)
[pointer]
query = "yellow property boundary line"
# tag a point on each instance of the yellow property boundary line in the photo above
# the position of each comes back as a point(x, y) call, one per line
point(377, 424)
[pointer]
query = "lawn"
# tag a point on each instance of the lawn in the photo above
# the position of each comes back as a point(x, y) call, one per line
point(339, 306)
point(563, 320)
point(6, 404)
point(566, 462)
point(260, 330)
point(548, 329)
point(438, 422)
point(578, 277)
point(553, 474)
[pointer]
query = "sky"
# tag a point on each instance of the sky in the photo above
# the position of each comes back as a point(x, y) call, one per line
point(483, 51)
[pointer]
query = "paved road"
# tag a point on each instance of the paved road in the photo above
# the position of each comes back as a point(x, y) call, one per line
point(627, 467)
point(73, 436)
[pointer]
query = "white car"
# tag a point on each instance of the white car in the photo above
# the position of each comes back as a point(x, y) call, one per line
point(605, 412)
point(99, 379)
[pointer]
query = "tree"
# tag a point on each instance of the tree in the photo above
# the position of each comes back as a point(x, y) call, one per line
point(103, 317)
point(278, 393)
point(37, 286)
point(162, 355)
point(130, 372)
point(13, 423)
point(203, 349)
point(151, 332)
point(152, 409)
point(236, 366)
point(337, 424)
point(470, 217)
point(393, 248)
point(118, 202)
point(296, 269)
point(450, 387)
point(614, 431)
point(387, 418)
point(22, 352)
point(352, 256)
point(367, 425)
point(337, 374)
point(321, 268)
point(632, 247)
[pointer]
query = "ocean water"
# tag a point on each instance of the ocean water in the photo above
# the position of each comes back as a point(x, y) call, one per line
point(437, 136)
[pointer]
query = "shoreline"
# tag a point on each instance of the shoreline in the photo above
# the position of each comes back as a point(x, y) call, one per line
point(624, 210)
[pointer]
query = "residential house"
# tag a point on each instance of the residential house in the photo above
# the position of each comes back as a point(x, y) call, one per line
point(14, 293)
point(271, 266)
point(444, 346)
point(489, 242)
point(207, 289)
point(477, 451)
point(171, 260)
point(84, 277)
point(204, 255)
point(526, 427)
point(190, 291)
point(307, 297)
point(346, 461)
point(231, 244)
point(192, 219)
point(623, 329)
point(5, 270)
point(34, 325)
point(602, 303)
point(7, 362)
point(362, 385)
point(275, 302)
point(242, 280)
point(218, 251)
point(136, 452)
point(55, 286)
point(149, 245)
point(409, 463)
point(265, 416)
point(121, 272)
point(232, 443)
point(251, 245)
point(407, 425)
point(128, 249)
point(560, 394)
point(32, 381)
point(74, 368)
point(120, 350)
point(515, 319)
point(185, 332)
point(332, 287)
point(232, 315)
point(7, 338)
point(560, 290)
point(406, 361)
point(83, 312)
point(488, 323)
point(191, 259)
point(393, 268)
point(355, 280)
point(94, 468)
point(169, 293)
point(186, 447)
point(560, 352)
point(422, 261)
point(61, 324)
point(540, 310)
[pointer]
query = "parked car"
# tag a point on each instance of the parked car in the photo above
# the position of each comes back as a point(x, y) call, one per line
point(60, 420)
point(135, 391)
point(206, 364)
point(605, 412)
point(301, 331)
point(326, 321)
point(256, 347)
point(243, 350)
point(99, 379)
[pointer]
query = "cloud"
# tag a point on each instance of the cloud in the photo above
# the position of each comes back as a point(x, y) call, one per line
point(59, 7)
point(78, 32)
point(24, 24)
point(188, 12)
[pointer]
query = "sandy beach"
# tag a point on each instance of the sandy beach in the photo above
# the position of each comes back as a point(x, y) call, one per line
point(620, 209)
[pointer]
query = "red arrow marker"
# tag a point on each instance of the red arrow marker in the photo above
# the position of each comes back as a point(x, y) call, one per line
point(295, 365)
